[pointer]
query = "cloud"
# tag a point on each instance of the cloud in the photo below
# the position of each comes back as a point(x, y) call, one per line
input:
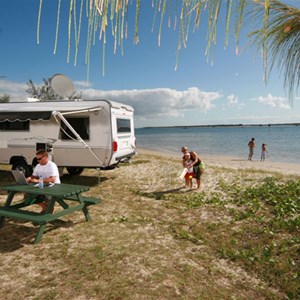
point(16, 91)
point(82, 84)
point(148, 103)
point(273, 101)
point(159, 102)
point(232, 100)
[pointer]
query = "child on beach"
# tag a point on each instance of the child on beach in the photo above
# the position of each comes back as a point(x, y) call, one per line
point(187, 163)
point(263, 152)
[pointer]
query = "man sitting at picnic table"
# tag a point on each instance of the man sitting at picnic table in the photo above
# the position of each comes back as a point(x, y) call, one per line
point(47, 170)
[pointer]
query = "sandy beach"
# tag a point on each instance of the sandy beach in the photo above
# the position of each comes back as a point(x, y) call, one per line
point(236, 163)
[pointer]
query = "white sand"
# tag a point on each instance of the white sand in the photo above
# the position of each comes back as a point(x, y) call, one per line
point(236, 163)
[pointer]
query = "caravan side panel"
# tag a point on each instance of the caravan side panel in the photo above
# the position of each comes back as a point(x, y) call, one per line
point(95, 129)
point(23, 142)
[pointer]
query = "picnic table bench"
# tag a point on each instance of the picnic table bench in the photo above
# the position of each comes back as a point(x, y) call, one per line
point(62, 194)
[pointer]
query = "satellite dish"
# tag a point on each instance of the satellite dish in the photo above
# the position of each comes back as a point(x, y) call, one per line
point(62, 85)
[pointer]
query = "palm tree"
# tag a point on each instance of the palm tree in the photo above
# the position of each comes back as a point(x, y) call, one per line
point(277, 35)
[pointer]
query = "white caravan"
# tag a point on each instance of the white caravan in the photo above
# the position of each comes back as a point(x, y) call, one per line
point(77, 134)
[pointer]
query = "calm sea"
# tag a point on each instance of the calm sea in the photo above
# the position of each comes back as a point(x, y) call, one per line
point(283, 141)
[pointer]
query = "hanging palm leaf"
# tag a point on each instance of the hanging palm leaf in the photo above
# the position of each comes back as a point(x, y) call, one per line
point(277, 36)
point(280, 40)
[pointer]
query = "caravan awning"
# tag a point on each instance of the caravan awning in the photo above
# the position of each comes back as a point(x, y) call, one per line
point(25, 116)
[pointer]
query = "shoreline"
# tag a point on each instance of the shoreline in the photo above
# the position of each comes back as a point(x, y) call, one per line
point(232, 162)
point(224, 125)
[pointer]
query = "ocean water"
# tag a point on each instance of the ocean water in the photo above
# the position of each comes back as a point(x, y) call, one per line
point(283, 141)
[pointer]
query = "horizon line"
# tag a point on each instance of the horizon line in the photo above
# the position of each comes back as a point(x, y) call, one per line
point(222, 125)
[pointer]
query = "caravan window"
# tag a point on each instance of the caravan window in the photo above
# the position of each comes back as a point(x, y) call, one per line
point(81, 125)
point(123, 125)
point(14, 126)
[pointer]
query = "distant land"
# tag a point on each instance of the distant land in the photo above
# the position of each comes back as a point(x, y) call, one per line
point(225, 125)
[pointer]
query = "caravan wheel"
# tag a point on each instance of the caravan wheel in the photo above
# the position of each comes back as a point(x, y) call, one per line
point(22, 167)
point(75, 170)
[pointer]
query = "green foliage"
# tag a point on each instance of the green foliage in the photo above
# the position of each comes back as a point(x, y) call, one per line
point(263, 234)
point(45, 92)
point(4, 99)
point(281, 200)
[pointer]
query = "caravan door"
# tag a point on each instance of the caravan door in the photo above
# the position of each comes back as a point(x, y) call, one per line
point(123, 135)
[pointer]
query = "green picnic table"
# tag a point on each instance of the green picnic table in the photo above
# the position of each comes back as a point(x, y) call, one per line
point(68, 196)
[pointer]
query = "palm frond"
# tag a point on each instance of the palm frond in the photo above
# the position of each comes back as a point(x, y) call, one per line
point(280, 40)
point(278, 33)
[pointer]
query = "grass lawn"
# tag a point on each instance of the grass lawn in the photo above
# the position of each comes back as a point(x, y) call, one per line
point(237, 238)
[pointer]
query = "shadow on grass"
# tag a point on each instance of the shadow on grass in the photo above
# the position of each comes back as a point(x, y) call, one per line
point(6, 178)
point(160, 195)
point(83, 180)
point(17, 233)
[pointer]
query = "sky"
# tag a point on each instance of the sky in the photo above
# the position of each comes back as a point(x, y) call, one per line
point(228, 90)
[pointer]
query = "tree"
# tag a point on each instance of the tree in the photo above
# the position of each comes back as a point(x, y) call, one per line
point(45, 92)
point(4, 99)
point(278, 31)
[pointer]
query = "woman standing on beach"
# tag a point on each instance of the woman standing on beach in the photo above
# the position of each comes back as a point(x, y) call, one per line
point(196, 164)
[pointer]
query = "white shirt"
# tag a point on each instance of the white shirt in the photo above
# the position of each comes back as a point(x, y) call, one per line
point(187, 163)
point(48, 170)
